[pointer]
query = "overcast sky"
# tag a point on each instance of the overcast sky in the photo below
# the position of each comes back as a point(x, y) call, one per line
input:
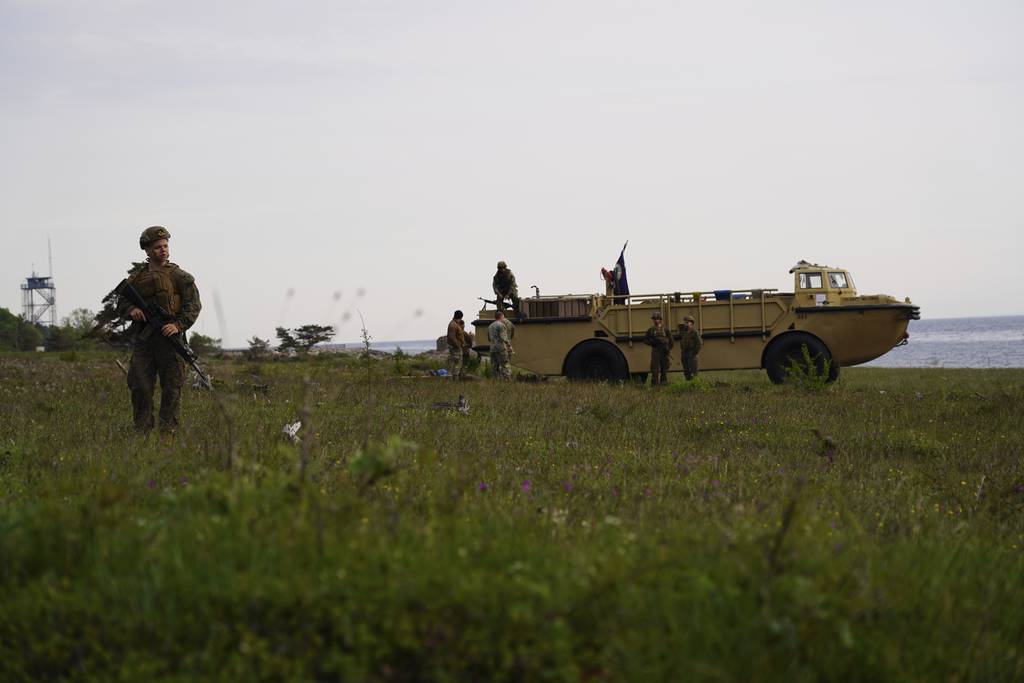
point(393, 151)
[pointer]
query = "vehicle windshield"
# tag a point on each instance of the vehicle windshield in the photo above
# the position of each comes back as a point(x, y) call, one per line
point(837, 280)
point(810, 281)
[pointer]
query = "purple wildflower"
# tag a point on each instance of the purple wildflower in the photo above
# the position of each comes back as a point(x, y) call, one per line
point(526, 486)
point(151, 484)
point(482, 486)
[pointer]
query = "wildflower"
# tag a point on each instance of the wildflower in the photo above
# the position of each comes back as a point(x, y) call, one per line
point(526, 486)
point(151, 484)
point(482, 486)
point(568, 486)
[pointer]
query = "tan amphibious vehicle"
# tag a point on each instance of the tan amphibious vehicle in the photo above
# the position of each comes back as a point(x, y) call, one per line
point(601, 337)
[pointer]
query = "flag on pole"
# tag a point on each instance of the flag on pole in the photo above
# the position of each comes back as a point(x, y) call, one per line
point(619, 273)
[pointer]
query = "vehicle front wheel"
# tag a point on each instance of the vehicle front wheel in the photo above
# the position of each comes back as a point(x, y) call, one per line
point(788, 350)
point(596, 361)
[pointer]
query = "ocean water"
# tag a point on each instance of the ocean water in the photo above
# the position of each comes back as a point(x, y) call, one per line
point(996, 342)
point(412, 347)
point(934, 343)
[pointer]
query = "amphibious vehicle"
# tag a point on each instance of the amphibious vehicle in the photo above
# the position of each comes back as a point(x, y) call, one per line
point(600, 337)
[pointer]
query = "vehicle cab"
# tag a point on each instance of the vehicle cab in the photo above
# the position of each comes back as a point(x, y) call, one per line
point(817, 285)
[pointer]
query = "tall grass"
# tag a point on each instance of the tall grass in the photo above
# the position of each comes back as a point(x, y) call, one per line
point(742, 531)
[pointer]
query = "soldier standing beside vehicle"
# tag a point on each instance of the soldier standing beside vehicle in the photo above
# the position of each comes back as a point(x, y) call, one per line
point(499, 335)
point(690, 344)
point(456, 346)
point(166, 286)
point(660, 341)
point(504, 285)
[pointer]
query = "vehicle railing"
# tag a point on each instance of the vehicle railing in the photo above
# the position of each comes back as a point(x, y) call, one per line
point(699, 299)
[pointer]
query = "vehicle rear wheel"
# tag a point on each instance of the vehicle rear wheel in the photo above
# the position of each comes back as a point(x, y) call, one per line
point(596, 361)
point(789, 349)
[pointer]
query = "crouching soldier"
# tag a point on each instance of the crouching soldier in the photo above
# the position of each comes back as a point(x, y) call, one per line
point(660, 341)
point(504, 285)
point(166, 286)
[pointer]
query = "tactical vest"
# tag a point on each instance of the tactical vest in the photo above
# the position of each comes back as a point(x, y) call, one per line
point(159, 287)
point(661, 338)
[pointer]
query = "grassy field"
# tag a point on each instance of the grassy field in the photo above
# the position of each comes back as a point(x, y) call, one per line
point(555, 532)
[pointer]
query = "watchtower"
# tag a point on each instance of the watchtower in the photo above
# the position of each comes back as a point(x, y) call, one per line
point(39, 296)
point(39, 300)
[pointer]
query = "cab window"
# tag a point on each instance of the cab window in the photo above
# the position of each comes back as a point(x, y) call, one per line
point(810, 281)
point(837, 280)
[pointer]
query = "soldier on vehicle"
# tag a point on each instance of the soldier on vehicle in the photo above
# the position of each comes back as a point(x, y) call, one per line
point(457, 346)
point(608, 277)
point(504, 285)
point(166, 286)
point(690, 344)
point(660, 341)
point(499, 335)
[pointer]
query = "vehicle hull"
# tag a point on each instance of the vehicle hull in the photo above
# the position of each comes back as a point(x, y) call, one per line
point(736, 333)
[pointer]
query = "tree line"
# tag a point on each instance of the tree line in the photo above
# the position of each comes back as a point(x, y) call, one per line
point(84, 330)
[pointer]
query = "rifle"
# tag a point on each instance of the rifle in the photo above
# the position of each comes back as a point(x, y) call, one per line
point(156, 318)
point(500, 304)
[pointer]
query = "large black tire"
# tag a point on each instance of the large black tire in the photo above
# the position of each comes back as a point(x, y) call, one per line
point(596, 361)
point(790, 347)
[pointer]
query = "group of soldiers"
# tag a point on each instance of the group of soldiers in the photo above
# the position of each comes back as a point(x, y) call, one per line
point(499, 333)
point(660, 340)
point(163, 286)
point(167, 288)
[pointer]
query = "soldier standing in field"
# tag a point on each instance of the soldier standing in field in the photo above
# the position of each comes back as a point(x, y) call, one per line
point(168, 287)
point(499, 335)
point(456, 346)
point(690, 344)
point(504, 285)
point(660, 341)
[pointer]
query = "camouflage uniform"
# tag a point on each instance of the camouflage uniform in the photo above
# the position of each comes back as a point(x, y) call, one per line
point(499, 334)
point(504, 285)
point(173, 290)
point(690, 346)
point(660, 342)
point(456, 348)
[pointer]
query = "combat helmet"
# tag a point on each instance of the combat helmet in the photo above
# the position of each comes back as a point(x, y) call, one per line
point(152, 234)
